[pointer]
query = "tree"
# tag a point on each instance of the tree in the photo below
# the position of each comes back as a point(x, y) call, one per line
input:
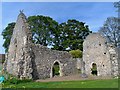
point(117, 5)
point(72, 33)
point(43, 29)
point(46, 31)
point(111, 30)
point(7, 34)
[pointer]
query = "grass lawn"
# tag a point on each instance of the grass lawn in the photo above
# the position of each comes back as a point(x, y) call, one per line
point(113, 83)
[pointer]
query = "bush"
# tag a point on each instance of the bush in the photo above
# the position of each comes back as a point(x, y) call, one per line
point(10, 79)
point(76, 53)
point(14, 80)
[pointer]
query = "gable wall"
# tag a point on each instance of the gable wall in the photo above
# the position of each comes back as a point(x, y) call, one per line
point(95, 51)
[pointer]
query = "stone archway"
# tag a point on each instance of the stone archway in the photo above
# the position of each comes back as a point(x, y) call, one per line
point(94, 69)
point(56, 69)
point(59, 66)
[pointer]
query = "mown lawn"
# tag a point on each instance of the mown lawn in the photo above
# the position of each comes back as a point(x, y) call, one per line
point(113, 83)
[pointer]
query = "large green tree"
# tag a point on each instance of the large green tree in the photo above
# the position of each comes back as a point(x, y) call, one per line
point(7, 34)
point(72, 33)
point(43, 29)
point(46, 31)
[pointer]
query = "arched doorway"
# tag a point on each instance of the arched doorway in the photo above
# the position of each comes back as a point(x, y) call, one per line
point(94, 69)
point(56, 69)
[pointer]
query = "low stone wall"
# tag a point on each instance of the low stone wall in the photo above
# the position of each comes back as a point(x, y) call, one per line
point(118, 61)
point(45, 59)
point(79, 63)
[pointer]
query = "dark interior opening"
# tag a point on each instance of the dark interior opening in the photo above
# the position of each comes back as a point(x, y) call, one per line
point(56, 69)
point(104, 53)
point(94, 69)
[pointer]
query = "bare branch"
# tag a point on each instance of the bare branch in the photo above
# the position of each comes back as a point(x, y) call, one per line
point(111, 30)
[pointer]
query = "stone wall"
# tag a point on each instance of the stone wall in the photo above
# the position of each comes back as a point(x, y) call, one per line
point(78, 63)
point(118, 50)
point(27, 60)
point(105, 55)
point(45, 59)
point(33, 61)
point(113, 51)
point(19, 56)
point(2, 56)
point(95, 51)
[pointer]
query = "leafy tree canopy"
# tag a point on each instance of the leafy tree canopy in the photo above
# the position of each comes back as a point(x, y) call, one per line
point(72, 34)
point(43, 29)
point(7, 34)
point(46, 31)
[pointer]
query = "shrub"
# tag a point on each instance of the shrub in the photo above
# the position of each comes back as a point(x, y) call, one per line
point(76, 53)
point(14, 80)
point(10, 79)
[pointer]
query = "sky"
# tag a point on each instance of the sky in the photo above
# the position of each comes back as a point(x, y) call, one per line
point(93, 14)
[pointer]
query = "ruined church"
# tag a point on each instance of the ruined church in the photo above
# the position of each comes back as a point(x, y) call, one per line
point(33, 61)
point(98, 52)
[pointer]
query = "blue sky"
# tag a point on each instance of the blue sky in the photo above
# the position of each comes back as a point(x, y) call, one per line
point(93, 14)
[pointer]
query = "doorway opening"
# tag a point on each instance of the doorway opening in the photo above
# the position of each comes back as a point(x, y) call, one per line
point(56, 69)
point(94, 69)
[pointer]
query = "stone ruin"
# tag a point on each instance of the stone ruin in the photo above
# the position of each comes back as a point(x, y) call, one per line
point(27, 60)
point(96, 50)
point(34, 61)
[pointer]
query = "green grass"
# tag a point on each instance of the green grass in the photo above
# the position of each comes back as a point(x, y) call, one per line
point(113, 83)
